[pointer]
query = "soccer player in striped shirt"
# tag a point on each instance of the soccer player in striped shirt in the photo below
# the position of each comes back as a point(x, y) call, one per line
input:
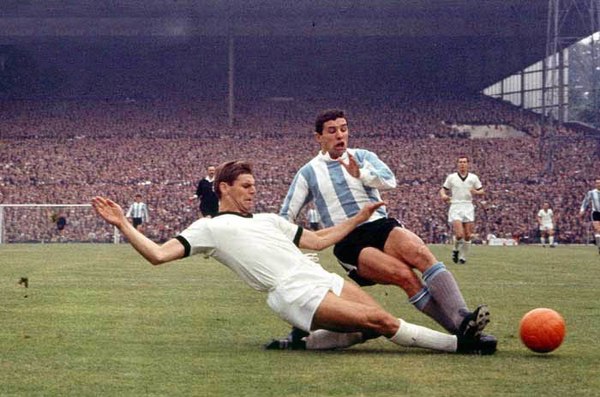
point(138, 213)
point(592, 200)
point(340, 181)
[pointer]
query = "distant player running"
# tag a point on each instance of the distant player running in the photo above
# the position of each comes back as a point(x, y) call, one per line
point(545, 218)
point(461, 185)
point(592, 200)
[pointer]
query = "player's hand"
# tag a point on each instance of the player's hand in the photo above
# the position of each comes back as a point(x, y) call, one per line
point(108, 210)
point(446, 198)
point(351, 167)
point(365, 212)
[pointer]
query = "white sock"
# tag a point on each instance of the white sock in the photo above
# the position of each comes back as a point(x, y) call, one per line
point(465, 249)
point(551, 240)
point(543, 240)
point(412, 335)
point(322, 339)
point(597, 236)
point(458, 244)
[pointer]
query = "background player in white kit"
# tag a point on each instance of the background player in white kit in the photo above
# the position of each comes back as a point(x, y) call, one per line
point(545, 218)
point(461, 185)
point(263, 250)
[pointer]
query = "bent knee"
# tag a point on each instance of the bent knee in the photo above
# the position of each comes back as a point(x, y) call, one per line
point(408, 247)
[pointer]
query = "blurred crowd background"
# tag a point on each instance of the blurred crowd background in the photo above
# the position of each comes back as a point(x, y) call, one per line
point(65, 151)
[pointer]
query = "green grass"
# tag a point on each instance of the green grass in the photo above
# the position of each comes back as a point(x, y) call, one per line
point(98, 320)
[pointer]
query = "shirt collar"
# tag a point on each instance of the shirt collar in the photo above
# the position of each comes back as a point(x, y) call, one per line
point(234, 213)
point(326, 157)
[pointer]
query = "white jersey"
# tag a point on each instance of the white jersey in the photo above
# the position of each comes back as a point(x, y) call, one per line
point(460, 187)
point(260, 248)
point(337, 194)
point(545, 217)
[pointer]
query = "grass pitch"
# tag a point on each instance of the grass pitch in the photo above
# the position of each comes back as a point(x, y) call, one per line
point(98, 320)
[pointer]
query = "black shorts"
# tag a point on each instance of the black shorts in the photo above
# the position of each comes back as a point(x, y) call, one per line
point(596, 216)
point(136, 221)
point(373, 234)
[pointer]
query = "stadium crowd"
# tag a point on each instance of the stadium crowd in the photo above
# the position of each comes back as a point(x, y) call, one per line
point(63, 152)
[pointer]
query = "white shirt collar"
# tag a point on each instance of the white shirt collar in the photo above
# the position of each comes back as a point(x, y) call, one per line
point(326, 157)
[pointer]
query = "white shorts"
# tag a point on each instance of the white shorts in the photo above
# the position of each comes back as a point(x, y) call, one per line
point(297, 298)
point(462, 212)
point(544, 227)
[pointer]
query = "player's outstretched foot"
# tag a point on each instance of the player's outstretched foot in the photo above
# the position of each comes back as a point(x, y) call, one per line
point(294, 341)
point(485, 345)
point(474, 323)
point(462, 261)
point(455, 256)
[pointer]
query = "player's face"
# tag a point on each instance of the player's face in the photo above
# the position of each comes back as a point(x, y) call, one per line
point(211, 171)
point(241, 194)
point(334, 139)
point(463, 165)
point(598, 184)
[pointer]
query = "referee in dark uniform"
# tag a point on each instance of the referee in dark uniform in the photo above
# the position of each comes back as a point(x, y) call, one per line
point(209, 203)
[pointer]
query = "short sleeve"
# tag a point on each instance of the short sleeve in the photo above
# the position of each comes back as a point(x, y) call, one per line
point(197, 238)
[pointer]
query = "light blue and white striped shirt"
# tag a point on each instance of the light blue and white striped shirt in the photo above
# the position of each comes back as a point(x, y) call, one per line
point(337, 194)
point(138, 210)
point(592, 198)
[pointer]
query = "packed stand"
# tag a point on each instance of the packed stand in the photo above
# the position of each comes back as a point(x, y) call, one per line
point(63, 152)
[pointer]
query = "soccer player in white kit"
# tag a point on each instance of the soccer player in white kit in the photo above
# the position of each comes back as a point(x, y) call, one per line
point(263, 250)
point(545, 218)
point(462, 186)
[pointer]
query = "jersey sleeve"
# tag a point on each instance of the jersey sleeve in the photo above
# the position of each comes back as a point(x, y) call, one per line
point(447, 183)
point(477, 183)
point(146, 213)
point(290, 230)
point(296, 198)
point(197, 239)
point(586, 201)
point(374, 173)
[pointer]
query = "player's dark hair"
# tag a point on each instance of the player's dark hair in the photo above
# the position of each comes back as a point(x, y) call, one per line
point(327, 115)
point(463, 157)
point(228, 172)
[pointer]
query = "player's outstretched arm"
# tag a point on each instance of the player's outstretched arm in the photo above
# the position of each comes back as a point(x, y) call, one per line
point(156, 254)
point(331, 235)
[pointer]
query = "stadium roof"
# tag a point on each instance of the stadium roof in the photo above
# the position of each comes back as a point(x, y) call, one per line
point(486, 40)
